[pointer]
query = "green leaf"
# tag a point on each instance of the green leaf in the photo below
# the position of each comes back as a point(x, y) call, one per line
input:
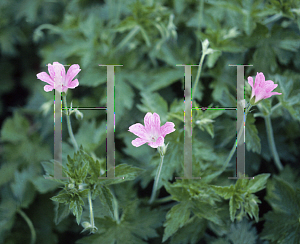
point(22, 188)
point(258, 183)
point(177, 217)
point(251, 134)
point(7, 172)
point(106, 199)
point(136, 226)
point(49, 169)
point(154, 103)
point(190, 233)
point(242, 232)
point(76, 206)
point(123, 171)
point(122, 102)
point(282, 223)
point(61, 212)
point(204, 210)
point(15, 129)
point(62, 197)
point(91, 135)
point(127, 24)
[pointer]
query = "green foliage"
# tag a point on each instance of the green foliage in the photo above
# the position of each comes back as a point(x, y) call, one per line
point(136, 225)
point(252, 138)
point(283, 220)
point(149, 38)
point(241, 196)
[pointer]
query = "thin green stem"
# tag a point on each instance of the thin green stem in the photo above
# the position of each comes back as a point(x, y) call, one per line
point(238, 139)
point(165, 199)
point(198, 73)
point(275, 107)
point(116, 209)
point(30, 225)
point(69, 125)
point(153, 195)
point(91, 210)
point(271, 141)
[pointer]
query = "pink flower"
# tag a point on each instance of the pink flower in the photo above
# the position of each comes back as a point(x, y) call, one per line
point(58, 79)
point(262, 88)
point(152, 133)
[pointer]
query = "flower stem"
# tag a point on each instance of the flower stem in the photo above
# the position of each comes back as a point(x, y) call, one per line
point(272, 142)
point(156, 179)
point(165, 199)
point(91, 210)
point(198, 73)
point(69, 125)
point(30, 225)
point(237, 141)
point(275, 107)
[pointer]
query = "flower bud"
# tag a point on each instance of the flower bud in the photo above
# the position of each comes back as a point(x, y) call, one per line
point(78, 114)
point(86, 224)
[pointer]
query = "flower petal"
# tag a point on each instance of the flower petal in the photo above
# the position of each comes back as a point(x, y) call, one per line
point(259, 80)
point(167, 128)
point(152, 123)
point(48, 88)
point(43, 76)
point(159, 142)
point(250, 81)
point(51, 71)
point(138, 142)
point(72, 72)
point(59, 77)
point(139, 130)
point(148, 121)
point(73, 84)
point(269, 86)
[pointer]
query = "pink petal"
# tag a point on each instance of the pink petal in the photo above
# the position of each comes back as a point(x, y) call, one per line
point(138, 142)
point(48, 88)
point(271, 94)
point(60, 74)
point(43, 76)
point(73, 84)
point(148, 121)
point(139, 130)
point(152, 124)
point(269, 86)
point(250, 81)
point(259, 80)
point(72, 72)
point(51, 71)
point(159, 142)
point(167, 128)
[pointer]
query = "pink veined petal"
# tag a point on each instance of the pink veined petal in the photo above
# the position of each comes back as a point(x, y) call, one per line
point(72, 72)
point(73, 84)
point(60, 73)
point(259, 80)
point(271, 94)
point(159, 142)
point(51, 71)
point(43, 76)
point(259, 96)
point(270, 86)
point(154, 126)
point(138, 142)
point(167, 128)
point(139, 130)
point(250, 81)
point(148, 121)
point(48, 88)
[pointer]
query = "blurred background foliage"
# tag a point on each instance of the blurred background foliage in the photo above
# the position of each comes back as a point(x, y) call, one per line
point(149, 38)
